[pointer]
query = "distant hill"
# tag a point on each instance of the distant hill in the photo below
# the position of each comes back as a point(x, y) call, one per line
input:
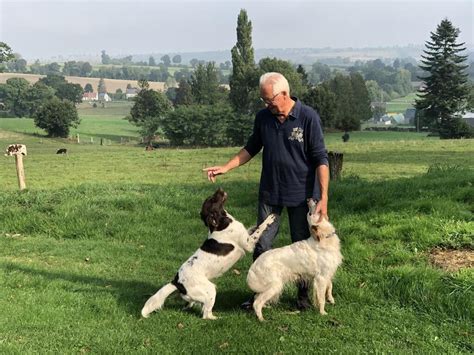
point(306, 56)
point(303, 55)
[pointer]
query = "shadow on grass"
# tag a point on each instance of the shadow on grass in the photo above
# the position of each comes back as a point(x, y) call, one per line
point(131, 295)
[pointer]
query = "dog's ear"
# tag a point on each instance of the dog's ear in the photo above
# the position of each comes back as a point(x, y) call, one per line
point(315, 233)
point(212, 220)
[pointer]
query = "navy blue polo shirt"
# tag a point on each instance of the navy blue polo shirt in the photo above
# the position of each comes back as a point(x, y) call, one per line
point(291, 152)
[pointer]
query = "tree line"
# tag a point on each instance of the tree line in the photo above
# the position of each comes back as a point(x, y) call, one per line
point(200, 111)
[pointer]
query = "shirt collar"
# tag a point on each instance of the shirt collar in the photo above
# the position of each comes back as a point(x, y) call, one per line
point(296, 110)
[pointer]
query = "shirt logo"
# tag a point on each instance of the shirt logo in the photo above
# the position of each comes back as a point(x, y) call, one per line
point(296, 135)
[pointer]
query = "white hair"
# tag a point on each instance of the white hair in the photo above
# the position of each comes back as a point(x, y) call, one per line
point(277, 81)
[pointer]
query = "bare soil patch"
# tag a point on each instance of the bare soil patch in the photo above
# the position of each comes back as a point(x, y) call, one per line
point(452, 259)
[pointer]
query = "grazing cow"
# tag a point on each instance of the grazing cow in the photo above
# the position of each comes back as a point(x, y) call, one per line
point(62, 151)
point(345, 137)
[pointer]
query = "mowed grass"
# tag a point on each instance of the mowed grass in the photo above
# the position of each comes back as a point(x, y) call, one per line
point(101, 229)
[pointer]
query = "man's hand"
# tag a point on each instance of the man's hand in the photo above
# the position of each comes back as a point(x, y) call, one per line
point(213, 171)
point(322, 208)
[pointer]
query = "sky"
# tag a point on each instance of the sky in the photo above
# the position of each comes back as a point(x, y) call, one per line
point(44, 28)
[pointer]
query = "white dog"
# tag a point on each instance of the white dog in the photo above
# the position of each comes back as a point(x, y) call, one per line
point(227, 242)
point(315, 259)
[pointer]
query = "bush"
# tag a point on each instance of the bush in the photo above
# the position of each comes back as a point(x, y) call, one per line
point(207, 125)
point(56, 117)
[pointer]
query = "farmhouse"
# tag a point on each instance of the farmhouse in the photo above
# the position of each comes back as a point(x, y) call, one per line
point(468, 117)
point(90, 96)
point(131, 92)
point(103, 96)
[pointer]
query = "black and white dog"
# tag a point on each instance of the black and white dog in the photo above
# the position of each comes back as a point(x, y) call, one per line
point(227, 242)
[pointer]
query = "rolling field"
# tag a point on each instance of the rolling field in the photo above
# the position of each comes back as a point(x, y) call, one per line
point(111, 84)
point(101, 229)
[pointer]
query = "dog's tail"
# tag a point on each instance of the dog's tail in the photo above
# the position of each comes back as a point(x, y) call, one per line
point(158, 299)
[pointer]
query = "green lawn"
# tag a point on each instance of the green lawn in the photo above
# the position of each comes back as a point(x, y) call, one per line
point(101, 229)
point(401, 104)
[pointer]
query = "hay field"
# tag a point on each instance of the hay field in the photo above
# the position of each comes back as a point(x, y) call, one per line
point(111, 84)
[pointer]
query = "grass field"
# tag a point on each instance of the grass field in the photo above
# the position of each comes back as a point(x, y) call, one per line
point(400, 105)
point(101, 229)
point(111, 84)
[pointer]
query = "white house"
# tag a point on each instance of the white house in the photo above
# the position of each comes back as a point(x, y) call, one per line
point(104, 97)
point(131, 92)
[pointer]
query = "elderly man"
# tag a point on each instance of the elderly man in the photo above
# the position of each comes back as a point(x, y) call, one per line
point(294, 165)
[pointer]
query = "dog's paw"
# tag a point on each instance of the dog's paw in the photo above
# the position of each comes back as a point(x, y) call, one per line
point(144, 313)
point(323, 312)
point(271, 218)
point(210, 317)
point(331, 300)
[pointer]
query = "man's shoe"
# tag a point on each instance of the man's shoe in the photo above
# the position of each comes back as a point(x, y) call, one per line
point(303, 304)
point(247, 305)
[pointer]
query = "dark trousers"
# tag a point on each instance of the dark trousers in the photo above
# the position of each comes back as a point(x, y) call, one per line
point(298, 225)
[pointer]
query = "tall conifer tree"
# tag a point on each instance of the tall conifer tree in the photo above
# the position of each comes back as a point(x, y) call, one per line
point(243, 81)
point(444, 96)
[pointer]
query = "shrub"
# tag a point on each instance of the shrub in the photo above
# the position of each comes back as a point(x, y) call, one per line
point(206, 125)
point(56, 117)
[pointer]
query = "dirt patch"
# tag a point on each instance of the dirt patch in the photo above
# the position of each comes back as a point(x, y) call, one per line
point(8, 135)
point(452, 259)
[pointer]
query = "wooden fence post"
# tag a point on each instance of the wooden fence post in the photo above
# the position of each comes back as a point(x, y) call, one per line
point(18, 150)
point(335, 165)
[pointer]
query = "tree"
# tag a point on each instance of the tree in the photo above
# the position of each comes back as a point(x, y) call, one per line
point(207, 125)
point(166, 60)
point(36, 95)
point(176, 59)
point(72, 68)
point(289, 72)
point(319, 72)
point(86, 69)
point(345, 118)
point(151, 61)
point(56, 117)
point(149, 110)
point(53, 80)
point(304, 76)
point(323, 100)
point(243, 80)
point(444, 96)
point(205, 84)
point(194, 62)
point(361, 100)
point(16, 96)
point(5, 54)
point(119, 95)
point(17, 65)
point(88, 88)
point(184, 95)
point(101, 88)
point(105, 58)
point(71, 92)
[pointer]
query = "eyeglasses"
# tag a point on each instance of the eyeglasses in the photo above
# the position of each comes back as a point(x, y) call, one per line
point(271, 101)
